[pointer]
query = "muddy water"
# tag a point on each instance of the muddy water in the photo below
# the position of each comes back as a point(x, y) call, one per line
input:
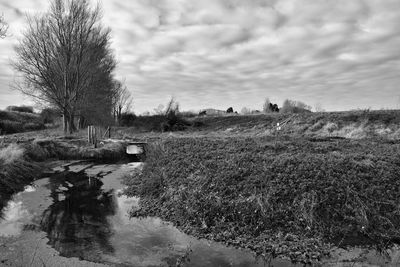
point(81, 214)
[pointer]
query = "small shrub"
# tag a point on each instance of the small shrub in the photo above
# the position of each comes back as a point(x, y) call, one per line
point(31, 126)
point(11, 153)
point(127, 119)
point(330, 127)
point(25, 109)
point(49, 115)
point(317, 126)
point(197, 124)
point(290, 106)
point(10, 127)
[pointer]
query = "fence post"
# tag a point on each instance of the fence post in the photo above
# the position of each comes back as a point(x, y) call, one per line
point(89, 134)
point(94, 137)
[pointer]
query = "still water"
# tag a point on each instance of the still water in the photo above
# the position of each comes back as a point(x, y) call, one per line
point(84, 214)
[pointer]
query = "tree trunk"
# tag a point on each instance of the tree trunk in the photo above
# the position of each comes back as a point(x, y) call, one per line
point(81, 122)
point(119, 114)
point(68, 123)
point(71, 123)
point(65, 123)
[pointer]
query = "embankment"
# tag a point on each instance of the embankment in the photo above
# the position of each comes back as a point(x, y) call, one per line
point(349, 124)
point(291, 197)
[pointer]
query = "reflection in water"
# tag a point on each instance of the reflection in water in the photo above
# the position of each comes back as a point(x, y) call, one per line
point(8, 207)
point(14, 216)
point(76, 222)
point(89, 219)
point(85, 216)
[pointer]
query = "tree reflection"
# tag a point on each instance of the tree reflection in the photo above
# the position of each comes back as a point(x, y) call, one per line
point(76, 222)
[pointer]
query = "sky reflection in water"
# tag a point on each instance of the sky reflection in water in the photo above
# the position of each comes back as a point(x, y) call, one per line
point(88, 218)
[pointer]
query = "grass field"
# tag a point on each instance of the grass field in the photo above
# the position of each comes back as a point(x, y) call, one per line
point(286, 196)
point(323, 179)
point(352, 124)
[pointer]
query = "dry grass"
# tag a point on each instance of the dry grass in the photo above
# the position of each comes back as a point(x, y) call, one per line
point(16, 171)
point(10, 154)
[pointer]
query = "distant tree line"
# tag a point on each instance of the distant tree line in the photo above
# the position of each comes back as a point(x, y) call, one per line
point(269, 107)
point(290, 106)
point(26, 109)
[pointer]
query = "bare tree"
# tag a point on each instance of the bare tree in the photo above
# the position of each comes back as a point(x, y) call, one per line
point(318, 107)
point(122, 100)
point(3, 27)
point(266, 106)
point(290, 106)
point(245, 111)
point(64, 56)
point(159, 110)
point(172, 107)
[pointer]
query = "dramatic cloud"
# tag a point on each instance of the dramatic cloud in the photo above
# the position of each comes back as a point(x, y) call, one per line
point(220, 53)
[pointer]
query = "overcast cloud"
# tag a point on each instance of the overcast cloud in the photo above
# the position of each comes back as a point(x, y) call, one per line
point(219, 53)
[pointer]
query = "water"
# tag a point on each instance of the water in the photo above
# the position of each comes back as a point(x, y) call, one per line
point(84, 215)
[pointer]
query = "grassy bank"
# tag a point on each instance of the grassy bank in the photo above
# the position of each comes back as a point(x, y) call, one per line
point(20, 164)
point(359, 124)
point(16, 171)
point(350, 124)
point(16, 122)
point(287, 197)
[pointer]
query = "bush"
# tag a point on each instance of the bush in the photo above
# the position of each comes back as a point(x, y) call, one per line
point(168, 120)
point(31, 126)
point(10, 127)
point(187, 114)
point(26, 109)
point(127, 119)
point(173, 119)
point(290, 106)
point(49, 115)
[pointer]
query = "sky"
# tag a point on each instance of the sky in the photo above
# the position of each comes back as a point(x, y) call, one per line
point(340, 55)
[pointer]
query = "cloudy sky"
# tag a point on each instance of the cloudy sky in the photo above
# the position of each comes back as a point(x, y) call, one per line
point(342, 54)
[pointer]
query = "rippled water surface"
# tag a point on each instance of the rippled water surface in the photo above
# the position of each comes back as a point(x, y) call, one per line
point(83, 213)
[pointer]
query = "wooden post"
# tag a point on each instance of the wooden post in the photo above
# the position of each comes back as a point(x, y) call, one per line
point(89, 134)
point(107, 132)
point(94, 137)
point(92, 134)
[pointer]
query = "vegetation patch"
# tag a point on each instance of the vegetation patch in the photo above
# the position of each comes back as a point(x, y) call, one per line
point(16, 122)
point(16, 171)
point(289, 197)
